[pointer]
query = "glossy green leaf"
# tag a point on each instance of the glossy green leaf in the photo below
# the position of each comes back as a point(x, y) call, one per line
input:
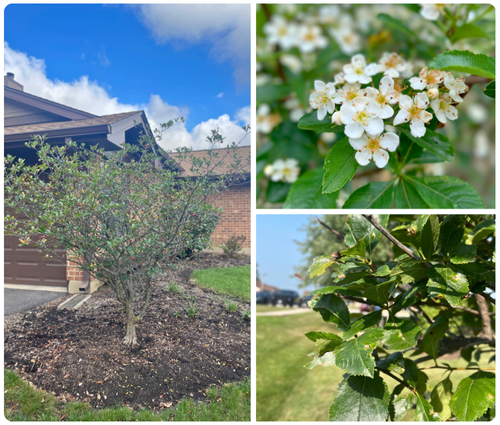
point(340, 166)
point(355, 356)
point(410, 373)
point(474, 395)
point(482, 231)
point(361, 398)
point(328, 359)
point(406, 195)
point(401, 405)
point(379, 293)
point(447, 283)
point(465, 61)
point(434, 142)
point(430, 236)
point(277, 191)
point(358, 227)
point(434, 334)
point(320, 264)
point(410, 297)
point(463, 253)
point(272, 92)
point(324, 341)
point(445, 192)
point(393, 362)
point(411, 271)
point(358, 250)
point(311, 122)
point(451, 233)
point(396, 24)
point(468, 31)
point(364, 322)
point(333, 309)
point(489, 90)
point(306, 192)
point(372, 195)
point(424, 411)
point(440, 398)
point(402, 335)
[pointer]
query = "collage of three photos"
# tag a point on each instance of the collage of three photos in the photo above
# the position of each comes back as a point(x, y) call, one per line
point(147, 273)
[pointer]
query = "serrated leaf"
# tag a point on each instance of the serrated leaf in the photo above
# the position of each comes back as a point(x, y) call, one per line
point(447, 283)
point(468, 31)
point(364, 322)
point(311, 122)
point(424, 411)
point(410, 297)
point(328, 359)
point(361, 399)
point(410, 374)
point(372, 195)
point(333, 309)
point(440, 398)
point(358, 250)
point(357, 227)
point(402, 335)
point(402, 404)
point(474, 395)
point(340, 166)
point(465, 61)
point(320, 264)
point(430, 236)
point(306, 192)
point(394, 362)
point(379, 293)
point(451, 233)
point(410, 272)
point(355, 356)
point(482, 231)
point(434, 142)
point(324, 341)
point(463, 254)
point(444, 192)
point(489, 90)
point(383, 270)
point(406, 195)
point(434, 334)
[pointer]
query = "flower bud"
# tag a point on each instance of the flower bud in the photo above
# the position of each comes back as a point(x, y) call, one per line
point(336, 118)
point(433, 94)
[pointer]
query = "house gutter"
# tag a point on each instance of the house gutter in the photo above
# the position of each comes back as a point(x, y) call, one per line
point(66, 132)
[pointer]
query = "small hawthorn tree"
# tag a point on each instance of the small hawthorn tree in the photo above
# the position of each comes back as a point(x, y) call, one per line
point(436, 297)
point(122, 216)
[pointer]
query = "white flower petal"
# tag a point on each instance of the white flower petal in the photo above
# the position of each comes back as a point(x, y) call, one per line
point(405, 101)
point(417, 83)
point(319, 85)
point(354, 130)
point(402, 117)
point(374, 126)
point(386, 84)
point(441, 116)
point(346, 114)
point(389, 141)
point(321, 113)
point(373, 68)
point(386, 112)
point(363, 157)
point(380, 158)
point(358, 143)
point(421, 100)
point(417, 128)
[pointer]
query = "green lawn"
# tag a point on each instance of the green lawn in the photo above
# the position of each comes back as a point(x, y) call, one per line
point(23, 403)
point(232, 281)
point(262, 308)
point(286, 391)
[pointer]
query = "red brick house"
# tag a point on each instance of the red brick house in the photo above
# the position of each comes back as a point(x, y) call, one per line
point(26, 115)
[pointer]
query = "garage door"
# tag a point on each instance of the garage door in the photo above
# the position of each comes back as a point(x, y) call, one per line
point(24, 265)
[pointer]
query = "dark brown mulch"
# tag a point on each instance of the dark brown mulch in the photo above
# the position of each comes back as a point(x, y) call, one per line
point(78, 355)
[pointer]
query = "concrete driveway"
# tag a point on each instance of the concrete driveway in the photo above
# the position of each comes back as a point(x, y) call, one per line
point(17, 300)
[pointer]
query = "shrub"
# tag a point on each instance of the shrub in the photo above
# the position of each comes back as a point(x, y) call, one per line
point(191, 310)
point(233, 246)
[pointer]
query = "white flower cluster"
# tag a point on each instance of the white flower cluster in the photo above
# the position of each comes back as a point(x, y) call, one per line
point(363, 108)
point(284, 170)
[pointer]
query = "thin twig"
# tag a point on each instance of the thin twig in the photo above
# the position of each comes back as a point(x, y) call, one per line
point(339, 236)
point(396, 379)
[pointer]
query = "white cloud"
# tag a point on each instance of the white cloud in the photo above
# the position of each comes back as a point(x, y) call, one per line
point(89, 96)
point(220, 95)
point(243, 115)
point(225, 26)
point(103, 59)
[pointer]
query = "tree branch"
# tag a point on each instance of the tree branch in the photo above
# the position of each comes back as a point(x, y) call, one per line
point(485, 317)
point(339, 236)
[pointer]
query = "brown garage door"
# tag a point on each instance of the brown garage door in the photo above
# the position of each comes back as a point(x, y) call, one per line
point(24, 265)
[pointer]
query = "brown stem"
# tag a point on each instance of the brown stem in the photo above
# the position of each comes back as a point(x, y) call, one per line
point(339, 236)
point(485, 318)
point(396, 379)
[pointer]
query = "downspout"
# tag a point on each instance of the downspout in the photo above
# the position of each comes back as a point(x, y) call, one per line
point(85, 283)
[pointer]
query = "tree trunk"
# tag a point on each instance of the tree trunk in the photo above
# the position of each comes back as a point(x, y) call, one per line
point(130, 336)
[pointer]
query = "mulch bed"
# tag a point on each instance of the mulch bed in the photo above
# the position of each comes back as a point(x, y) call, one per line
point(78, 354)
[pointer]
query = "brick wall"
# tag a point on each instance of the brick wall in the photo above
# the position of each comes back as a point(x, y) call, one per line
point(237, 219)
point(73, 272)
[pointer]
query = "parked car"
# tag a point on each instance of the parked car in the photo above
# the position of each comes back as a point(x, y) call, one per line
point(264, 297)
point(286, 297)
point(302, 301)
point(365, 308)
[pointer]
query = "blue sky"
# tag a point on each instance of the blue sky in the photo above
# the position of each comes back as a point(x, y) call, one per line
point(170, 60)
point(277, 253)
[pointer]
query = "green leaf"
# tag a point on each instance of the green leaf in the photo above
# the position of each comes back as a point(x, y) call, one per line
point(482, 231)
point(465, 61)
point(311, 122)
point(444, 192)
point(277, 191)
point(372, 195)
point(489, 90)
point(463, 253)
point(271, 93)
point(320, 264)
point(468, 31)
point(324, 341)
point(379, 293)
point(328, 359)
point(436, 143)
point(357, 227)
point(364, 322)
point(402, 404)
point(447, 283)
point(402, 335)
point(451, 233)
point(333, 309)
point(430, 236)
point(340, 166)
point(357, 250)
point(394, 362)
point(396, 24)
point(410, 272)
point(406, 196)
point(410, 373)
point(434, 334)
point(440, 398)
point(306, 193)
point(474, 395)
point(361, 399)
point(355, 356)
point(424, 411)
